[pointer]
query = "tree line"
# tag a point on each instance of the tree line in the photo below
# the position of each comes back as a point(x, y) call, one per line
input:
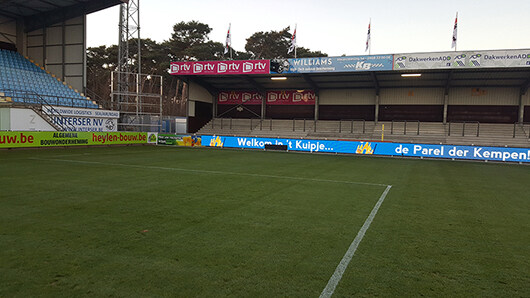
point(189, 41)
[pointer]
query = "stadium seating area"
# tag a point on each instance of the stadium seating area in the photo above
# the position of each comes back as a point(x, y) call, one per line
point(456, 133)
point(22, 81)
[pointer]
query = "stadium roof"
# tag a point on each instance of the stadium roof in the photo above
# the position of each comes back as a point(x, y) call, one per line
point(494, 68)
point(444, 78)
point(41, 13)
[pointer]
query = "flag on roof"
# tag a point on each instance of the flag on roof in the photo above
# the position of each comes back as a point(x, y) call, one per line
point(293, 42)
point(453, 45)
point(228, 39)
point(368, 37)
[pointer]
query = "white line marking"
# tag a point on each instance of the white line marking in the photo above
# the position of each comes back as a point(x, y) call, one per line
point(337, 275)
point(85, 154)
point(107, 153)
point(207, 171)
point(71, 155)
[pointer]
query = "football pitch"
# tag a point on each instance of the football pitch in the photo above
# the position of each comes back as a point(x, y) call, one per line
point(199, 222)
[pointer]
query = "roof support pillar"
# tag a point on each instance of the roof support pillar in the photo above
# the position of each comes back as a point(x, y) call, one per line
point(522, 93)
point(521, 107)
point(446, 96)
point(377, 88)
point(263, 104)
point(376, 107)
point(212, 90)
point(446, 104)
point(317, 103)
point(214, 106)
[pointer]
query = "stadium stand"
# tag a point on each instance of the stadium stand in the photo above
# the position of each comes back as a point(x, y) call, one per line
point(22, 81)
point(454, 133)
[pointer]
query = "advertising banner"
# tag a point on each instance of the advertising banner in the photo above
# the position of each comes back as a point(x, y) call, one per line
point(84, 119)
point(291, 97)
point(235, 97)
point(21, 139)
point(232, 67)
point(332, 64)
point(179, 140)
point(152, 137)
point(280, 97)
point(477, 59)
point(75, 112)
point(377, 148)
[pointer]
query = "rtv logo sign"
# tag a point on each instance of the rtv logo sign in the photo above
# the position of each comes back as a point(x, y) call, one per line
point(248, 67)
point(256, 66)
point(220, 67)
point(197, 68)
point(175, 68)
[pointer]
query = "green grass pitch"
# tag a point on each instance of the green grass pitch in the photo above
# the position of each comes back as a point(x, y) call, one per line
point(162, 221)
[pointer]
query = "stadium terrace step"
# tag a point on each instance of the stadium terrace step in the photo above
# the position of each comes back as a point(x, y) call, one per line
point(411, 132)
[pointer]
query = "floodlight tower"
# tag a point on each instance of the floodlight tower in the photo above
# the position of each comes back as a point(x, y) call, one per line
point(139, 111)
point(128, 61)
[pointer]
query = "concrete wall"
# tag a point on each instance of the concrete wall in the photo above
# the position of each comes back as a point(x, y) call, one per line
point(347, 97)
point(411, 96)
point(496, 96)
point(423, 96)
point(198, 93)
point(5, 119)
point(61, 49)
point(200, 103)
point(8, 30)
point(27, 119)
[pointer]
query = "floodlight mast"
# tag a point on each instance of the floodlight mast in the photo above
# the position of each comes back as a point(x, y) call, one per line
point(129, 62)
point(139, 111)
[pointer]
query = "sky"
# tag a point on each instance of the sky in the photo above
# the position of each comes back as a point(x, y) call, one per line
point(337, 27)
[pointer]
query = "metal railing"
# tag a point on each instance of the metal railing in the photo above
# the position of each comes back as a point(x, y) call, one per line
point(41, 106)
point(99, 100)
point(264, 120)
point(30, 97)
point(525, 126)
point(408, 127)
point(223, 124)
point(304, 123)
point(298, 124)
point(252, 121)
point(405, 126)
point(352, 126)
point(469, 123)
point(220, 120)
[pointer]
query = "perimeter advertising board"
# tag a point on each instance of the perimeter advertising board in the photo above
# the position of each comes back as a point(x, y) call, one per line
point(84, 119)
point(179, 140)
point(377, 148)
point(476, 59)
point(233, 67)
point(332, 64)
point(28, 139)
